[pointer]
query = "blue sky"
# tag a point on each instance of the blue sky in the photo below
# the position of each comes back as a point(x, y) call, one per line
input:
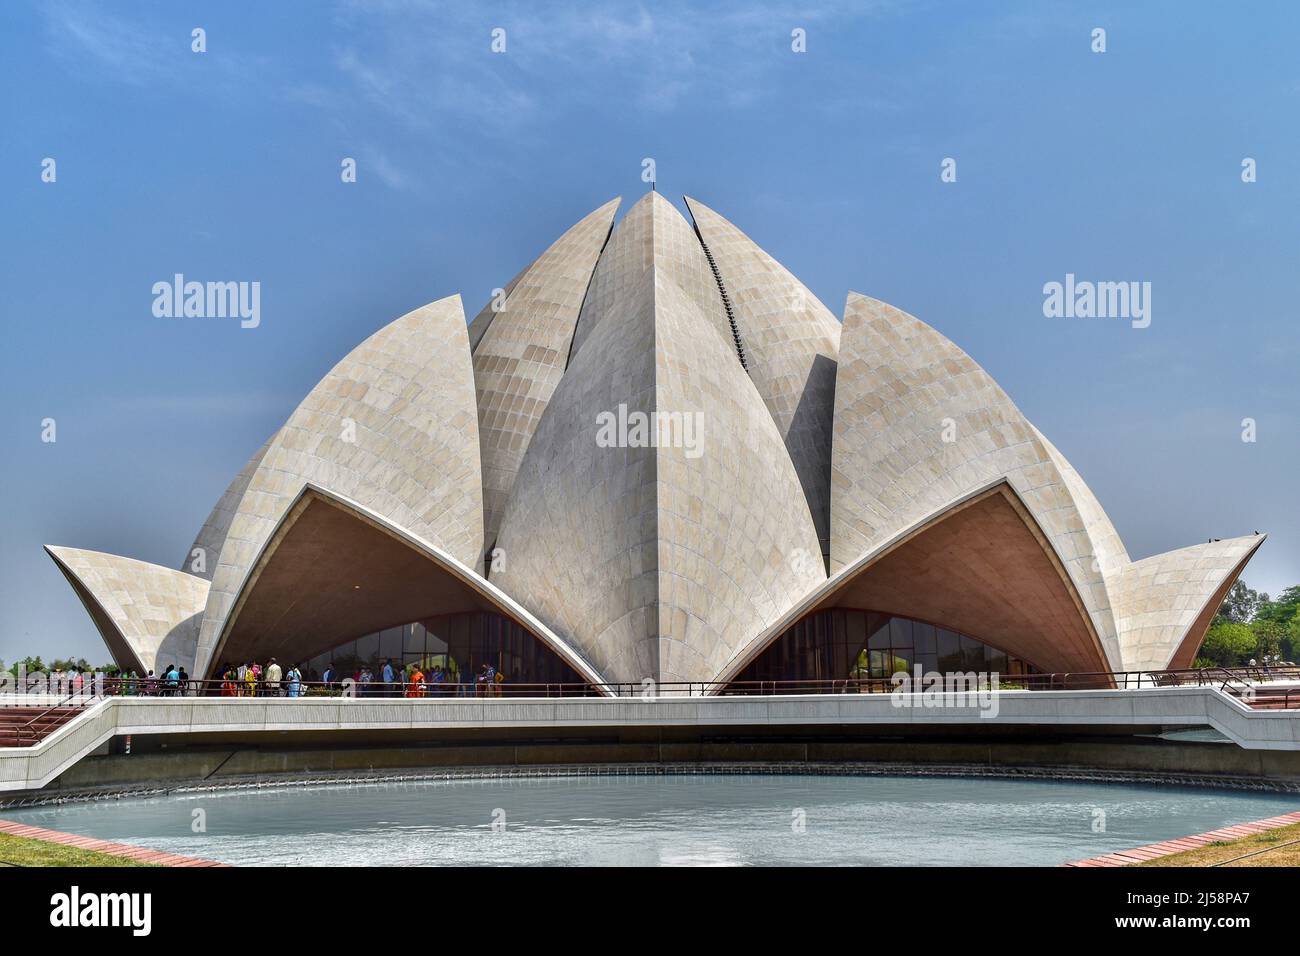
point(1124, 165)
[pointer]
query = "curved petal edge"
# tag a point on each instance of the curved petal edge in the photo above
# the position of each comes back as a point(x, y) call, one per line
point(919, 423)
point(980, 564)
point(657, 559)
point(791, 344)
point(521, 356)
point(1164, 604)
point(148, 615)
point(394, 425)
point(436, 563)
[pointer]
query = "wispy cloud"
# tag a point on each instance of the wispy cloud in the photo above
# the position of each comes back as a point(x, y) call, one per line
point(416, 59)
point(378, 163)
point(85, 35)
point(91, 39)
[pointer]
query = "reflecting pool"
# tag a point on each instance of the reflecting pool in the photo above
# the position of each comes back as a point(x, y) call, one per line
point(703, 820)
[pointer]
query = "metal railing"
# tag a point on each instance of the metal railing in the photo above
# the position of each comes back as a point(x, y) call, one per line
point(1269, 698)
point(1250, 684)
point(34, 730)
point(1227, 679)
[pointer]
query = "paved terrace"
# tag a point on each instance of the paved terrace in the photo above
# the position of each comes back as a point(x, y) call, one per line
point(33, 767)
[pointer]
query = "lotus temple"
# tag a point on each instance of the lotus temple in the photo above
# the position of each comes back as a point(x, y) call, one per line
point(862, 496)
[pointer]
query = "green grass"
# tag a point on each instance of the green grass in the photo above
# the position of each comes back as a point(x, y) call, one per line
point(20, 851)
point(1229, 851)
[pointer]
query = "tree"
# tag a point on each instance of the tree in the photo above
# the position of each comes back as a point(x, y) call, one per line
point(30, 664)
point(1268, 638)
point(1240, 605)
point(1282, 611)
point(1228, 643)
point(1291, 640)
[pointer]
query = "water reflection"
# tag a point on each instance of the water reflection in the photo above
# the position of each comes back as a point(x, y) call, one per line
point(698, 820)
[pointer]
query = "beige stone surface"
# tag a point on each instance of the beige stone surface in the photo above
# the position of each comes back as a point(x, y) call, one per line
point(1107, 546)
point(791, 342)
point(521, 356)
point(1163, 604)
point(148, 615)
point(334, 570)
point(579, 534)
point(900, 384)
point(653, 563)
point(648, 561)
point(212, 535)
point(653, 233)
point(479, 325)
point(981, 565)
point(411, 452)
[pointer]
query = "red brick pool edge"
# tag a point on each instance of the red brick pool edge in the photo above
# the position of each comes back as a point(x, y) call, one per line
point(137, 853)
point(1154, 851)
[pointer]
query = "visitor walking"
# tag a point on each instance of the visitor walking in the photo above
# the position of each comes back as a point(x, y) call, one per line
point(273, 675)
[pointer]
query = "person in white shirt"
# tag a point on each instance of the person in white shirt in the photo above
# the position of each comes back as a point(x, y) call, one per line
point(273, 674)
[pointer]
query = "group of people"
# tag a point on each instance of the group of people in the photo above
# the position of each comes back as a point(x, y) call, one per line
point(254, 680)
point(412, 681)
point(172, 682)
point(251, 679)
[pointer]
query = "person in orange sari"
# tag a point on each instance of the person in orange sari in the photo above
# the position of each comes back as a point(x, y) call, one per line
point(415, 687)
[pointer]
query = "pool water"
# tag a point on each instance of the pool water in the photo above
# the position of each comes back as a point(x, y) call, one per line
point(704, 820)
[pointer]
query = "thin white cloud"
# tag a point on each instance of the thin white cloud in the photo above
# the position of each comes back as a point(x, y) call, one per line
point(88, 36)
point(374, 161)
point(415, 59)
point(92, 40)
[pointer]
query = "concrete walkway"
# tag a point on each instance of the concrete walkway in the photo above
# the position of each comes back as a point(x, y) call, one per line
point(31, 768)
point(136, 853)
point(1153, 851)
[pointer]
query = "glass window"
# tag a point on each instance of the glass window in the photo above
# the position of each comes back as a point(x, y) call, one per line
point(903, 657)
point(368, 649)
point(880, 664)
point(972, 654)
point(855, 630)
point(827, 645)
point(900, 632)
point(414, 646)
point(435, 630)
point(880, 636)
point(391, 640)
point(861, 665)
point(923, 637)
point(949, 650)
